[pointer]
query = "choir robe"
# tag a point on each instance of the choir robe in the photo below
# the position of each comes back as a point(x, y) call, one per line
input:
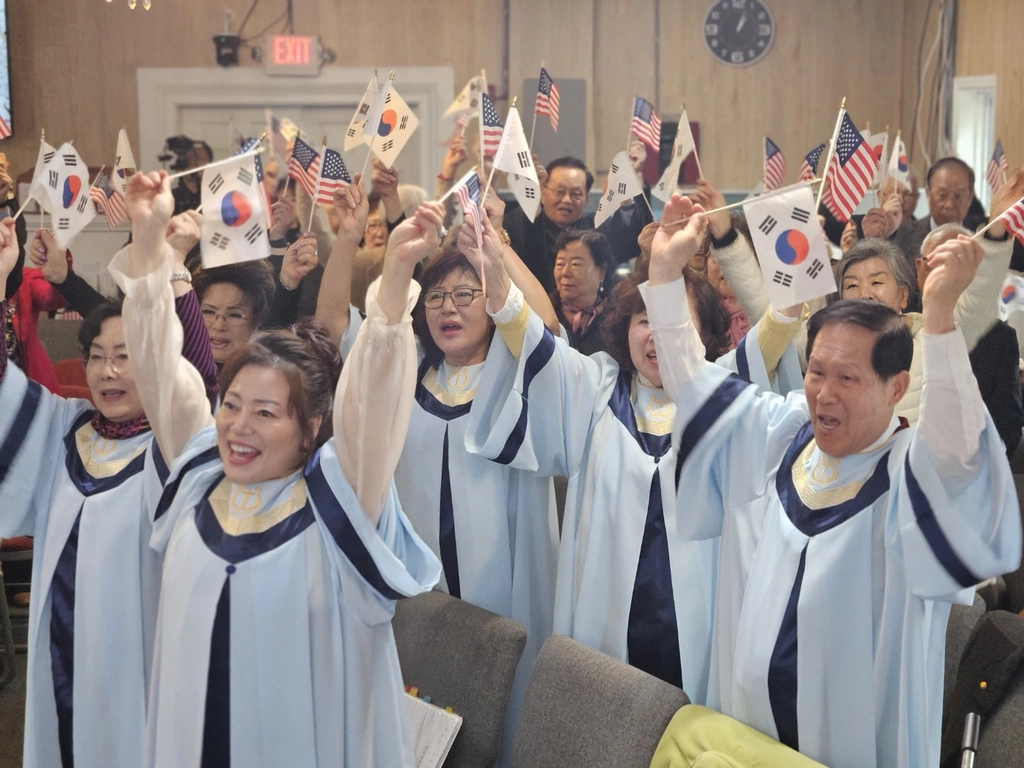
point(494, 527)
point(627, 584)
point(95, 580)
point(837, 575)
point(274, 642)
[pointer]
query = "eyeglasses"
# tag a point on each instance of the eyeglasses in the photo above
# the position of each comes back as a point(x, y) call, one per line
point(233, 317)
point(461, 297)
point(576, 195)
point(959, 198)
point(375, 224)
point(95, 363)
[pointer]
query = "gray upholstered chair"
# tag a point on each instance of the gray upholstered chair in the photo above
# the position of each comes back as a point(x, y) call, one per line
point(962, 621)
point(585, 708)
point(462, 657)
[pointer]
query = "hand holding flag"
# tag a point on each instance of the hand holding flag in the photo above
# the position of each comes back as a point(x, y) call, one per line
point(677, 240)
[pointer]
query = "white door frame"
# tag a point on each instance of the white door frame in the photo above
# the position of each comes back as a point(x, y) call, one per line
point(163, 92)
point(979, 143)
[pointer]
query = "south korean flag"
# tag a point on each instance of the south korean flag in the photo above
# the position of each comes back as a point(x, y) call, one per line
point(790, 246)
point(65, 181)
point(234, 216)
point(622, 185)
point(513, 156)
point(396, 124)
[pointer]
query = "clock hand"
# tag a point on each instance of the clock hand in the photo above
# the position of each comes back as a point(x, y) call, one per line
point(743, 20)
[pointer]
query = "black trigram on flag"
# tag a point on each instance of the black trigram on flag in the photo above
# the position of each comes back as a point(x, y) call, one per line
point(799, 214)
point(622, 187)
point(63, 223)
point(524, 159)
point(405, 122)
point(254, 233)
point(387, 99)
point(474, 102)
point(54, 179)
point(244, 176)
point(610, 196)
point(388, 145)
point(117, 161)
point(70, 160)
point(364, 108)
point(82, 203)
point(48, 156)
point(216, 183)
point(351, 133)
point(530, 193)
point(219, 241)
point(815, 269)
point(782, 278)
point(615, 168)
point(768, 224)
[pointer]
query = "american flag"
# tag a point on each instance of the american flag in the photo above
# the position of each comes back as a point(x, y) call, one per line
point(491, 126)
point(774, 165)
point(304, 165)
point(5, 129)
point(1013, 219)
point(277, 139)
point(809, 167)
point(547, 99)
point(997, 166)
point(850, 173)
point(109, 200)
point(646, 124)
point(334, 176)
point(468, 193)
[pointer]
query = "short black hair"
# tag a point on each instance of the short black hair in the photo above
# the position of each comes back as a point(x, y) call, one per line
point(946, 162)
point(894, 345)
point(255, 279)
point(92, 324)
point(572, 162)
point(598, 246)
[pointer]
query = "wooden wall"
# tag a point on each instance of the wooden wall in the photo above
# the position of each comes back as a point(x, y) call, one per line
point(988, 38)
point(73, 63)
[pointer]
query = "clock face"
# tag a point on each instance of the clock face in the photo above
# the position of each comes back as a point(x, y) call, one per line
point(739, 32)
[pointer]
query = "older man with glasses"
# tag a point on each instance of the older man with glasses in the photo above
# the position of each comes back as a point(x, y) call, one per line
point(563, 198)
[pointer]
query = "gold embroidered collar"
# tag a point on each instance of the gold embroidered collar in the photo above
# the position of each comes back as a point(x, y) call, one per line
point(96, 451)
point(237, 507)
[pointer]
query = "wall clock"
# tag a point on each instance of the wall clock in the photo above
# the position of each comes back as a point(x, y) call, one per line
point(739, 32)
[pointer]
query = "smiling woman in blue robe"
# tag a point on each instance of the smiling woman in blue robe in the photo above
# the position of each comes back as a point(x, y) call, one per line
point(284, 554)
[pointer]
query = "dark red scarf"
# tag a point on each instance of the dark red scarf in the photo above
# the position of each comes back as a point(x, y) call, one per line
point(110, 430)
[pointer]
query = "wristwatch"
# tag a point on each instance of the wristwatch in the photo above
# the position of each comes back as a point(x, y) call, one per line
point(184, 275)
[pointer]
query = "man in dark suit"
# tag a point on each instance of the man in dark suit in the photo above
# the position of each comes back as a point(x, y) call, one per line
point(949, 189)
point(563, 196)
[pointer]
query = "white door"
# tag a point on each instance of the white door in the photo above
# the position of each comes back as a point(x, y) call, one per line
point(974, 119)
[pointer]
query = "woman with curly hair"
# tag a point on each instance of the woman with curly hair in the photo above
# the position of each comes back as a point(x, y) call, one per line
point(627, 585)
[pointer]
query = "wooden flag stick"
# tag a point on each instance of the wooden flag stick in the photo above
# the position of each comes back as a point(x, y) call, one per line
point(731, 206)
point(206, 167)
point(997, 220)
point(22, 209)
point(480, 119)
point(629, 125)
point(454, 187)
point(490, 176)
point(534, 127)
point(696, 155)
point(316, 189)
point(831, 151)
point(42, 213)
point(376, 128)
point(100, 171)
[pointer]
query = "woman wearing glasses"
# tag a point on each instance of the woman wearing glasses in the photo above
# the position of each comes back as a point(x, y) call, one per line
point(78, 478)
point(493, 527)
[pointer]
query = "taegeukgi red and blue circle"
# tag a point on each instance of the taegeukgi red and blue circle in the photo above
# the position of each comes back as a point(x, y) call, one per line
point(388, 121)
point(72, 186)
point(235, 209)
point(1009, 294)
point(792, 247)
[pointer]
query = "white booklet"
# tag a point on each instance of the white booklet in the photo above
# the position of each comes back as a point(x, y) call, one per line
point(433, 731)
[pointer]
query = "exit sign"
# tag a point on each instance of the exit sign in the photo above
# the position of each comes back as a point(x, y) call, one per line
point(292, 55)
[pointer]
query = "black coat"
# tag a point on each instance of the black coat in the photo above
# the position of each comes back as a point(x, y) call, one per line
point(994, 361)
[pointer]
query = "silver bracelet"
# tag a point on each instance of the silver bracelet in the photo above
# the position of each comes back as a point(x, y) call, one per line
point(184, 275)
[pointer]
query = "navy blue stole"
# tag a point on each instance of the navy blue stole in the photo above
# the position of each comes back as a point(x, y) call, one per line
point(62, 588)
point(652, 635)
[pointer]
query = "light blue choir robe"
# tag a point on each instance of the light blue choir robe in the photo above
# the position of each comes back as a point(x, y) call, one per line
point(836, 576)
point(494, 528)
point(288, 618)
point(95, 580)
point(628, 584)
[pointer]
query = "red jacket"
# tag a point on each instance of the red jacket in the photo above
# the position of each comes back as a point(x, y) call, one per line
point(34, 296)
